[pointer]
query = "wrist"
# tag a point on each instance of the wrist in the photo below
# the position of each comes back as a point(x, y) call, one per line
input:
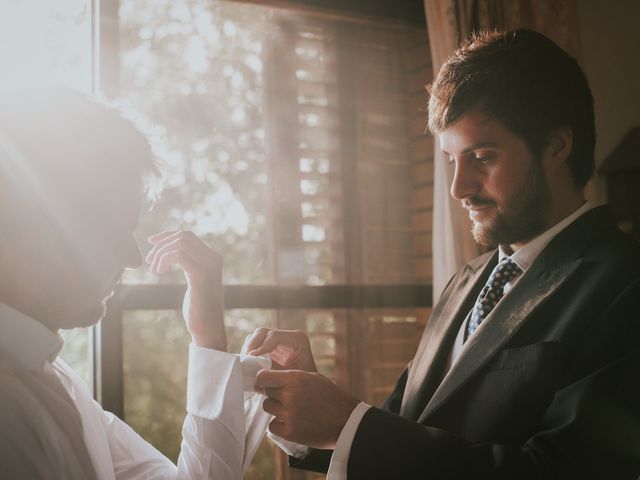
point(214, 340)
point(349, 406)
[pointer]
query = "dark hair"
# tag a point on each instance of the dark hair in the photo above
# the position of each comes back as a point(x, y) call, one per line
point(62, 151)
point(526, 81)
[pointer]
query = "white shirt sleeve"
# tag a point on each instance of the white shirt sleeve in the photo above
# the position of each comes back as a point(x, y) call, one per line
point(222, 430)
point(340, 457)
point(225, 421)
point(290, 448)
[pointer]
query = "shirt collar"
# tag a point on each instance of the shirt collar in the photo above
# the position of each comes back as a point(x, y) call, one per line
point(25, 340)
point(526, 254)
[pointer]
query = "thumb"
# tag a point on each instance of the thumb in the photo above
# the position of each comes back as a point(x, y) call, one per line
point(270, 378)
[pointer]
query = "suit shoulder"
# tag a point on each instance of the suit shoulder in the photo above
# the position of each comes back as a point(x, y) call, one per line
point(617, 250)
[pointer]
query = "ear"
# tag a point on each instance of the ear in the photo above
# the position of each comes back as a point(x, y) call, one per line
point(559, 147)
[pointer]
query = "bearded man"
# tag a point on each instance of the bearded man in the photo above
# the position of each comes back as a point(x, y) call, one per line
point(530, 364)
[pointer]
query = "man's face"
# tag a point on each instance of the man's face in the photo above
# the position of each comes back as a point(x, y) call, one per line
point(64, 278)
point(108, 247)
point(497, 179)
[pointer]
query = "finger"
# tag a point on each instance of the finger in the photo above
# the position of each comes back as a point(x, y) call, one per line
point(175, 257)
point(156, 241)
point(256, 339)
point(185, 239)
point(267, 344)
point(272, 407)
point(271, 379)
point(161, 249)
point(156, 237)
point(275, 339)
point(277, 365)
point(160, 240)
point(188, 242)
point(274, 393)
point(280, 357)
point(167, 238)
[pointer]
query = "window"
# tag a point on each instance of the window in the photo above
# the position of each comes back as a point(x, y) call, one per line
point(47, 42)
point(293, 150)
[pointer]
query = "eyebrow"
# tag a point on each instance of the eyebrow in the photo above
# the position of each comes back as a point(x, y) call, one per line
point(476, 146)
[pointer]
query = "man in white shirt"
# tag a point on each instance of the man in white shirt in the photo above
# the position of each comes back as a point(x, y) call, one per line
point(529, 365)
point(71, 185)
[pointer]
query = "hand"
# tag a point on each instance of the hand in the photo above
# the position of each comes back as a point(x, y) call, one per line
point(288, 349)
point(308, 408)
point(203, 305)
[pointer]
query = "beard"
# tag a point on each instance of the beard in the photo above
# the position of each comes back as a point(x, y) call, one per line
point(523, 217)
point(91, 312)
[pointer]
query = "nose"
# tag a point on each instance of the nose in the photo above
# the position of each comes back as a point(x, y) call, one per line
point(466, 182)
point(130, 253)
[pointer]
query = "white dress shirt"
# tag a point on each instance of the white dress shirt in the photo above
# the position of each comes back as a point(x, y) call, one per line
point(523, 257)
point(51, 427)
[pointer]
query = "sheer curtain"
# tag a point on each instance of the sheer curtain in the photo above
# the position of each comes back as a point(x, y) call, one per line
point(448, 22)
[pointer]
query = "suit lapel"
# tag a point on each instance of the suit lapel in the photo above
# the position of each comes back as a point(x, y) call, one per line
point(558, 261)
point(437, 339)
point(500, 326)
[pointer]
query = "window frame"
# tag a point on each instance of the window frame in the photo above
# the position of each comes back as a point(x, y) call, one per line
point(110, 376)
point(106, 339)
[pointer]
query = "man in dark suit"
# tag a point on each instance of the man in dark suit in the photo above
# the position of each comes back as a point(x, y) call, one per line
point(530, 364)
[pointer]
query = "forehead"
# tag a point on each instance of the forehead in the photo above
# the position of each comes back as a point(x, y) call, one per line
point(474, 129)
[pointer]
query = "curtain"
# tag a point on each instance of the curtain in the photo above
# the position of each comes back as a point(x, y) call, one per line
point(448, 23)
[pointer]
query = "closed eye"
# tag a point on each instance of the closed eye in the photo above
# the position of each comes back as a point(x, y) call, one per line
point(483, 158)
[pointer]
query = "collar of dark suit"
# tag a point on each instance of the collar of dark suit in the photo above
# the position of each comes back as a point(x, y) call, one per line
point(572, 242)
point(553, 266)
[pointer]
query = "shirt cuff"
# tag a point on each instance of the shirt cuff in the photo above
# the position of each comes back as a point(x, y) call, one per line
point(213, 374)
point(290, 448)
point(340, 457)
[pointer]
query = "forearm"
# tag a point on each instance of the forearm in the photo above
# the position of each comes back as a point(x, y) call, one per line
point(589, 431)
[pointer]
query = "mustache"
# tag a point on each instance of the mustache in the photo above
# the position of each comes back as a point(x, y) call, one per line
point(475, 202)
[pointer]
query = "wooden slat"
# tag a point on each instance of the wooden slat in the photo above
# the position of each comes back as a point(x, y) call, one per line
point(422, 198)
point(405, 15)
point(421, 149)
point(162, 297)
point(422, 173)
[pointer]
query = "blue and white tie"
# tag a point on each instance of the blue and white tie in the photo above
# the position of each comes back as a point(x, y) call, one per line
point(492, 292)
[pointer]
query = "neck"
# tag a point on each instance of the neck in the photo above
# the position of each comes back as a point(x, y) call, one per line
point(557, 213)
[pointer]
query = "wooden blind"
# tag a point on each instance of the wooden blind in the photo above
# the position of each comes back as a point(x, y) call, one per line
point(352, 179)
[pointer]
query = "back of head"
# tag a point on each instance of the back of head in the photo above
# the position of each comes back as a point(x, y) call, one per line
point(64, 155)
point(526, 81)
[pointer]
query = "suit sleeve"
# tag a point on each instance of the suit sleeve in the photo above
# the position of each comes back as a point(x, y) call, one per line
point(590, 430)
point(318, 460)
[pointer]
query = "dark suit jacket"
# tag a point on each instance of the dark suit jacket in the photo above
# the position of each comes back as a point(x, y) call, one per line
point(548, 387)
